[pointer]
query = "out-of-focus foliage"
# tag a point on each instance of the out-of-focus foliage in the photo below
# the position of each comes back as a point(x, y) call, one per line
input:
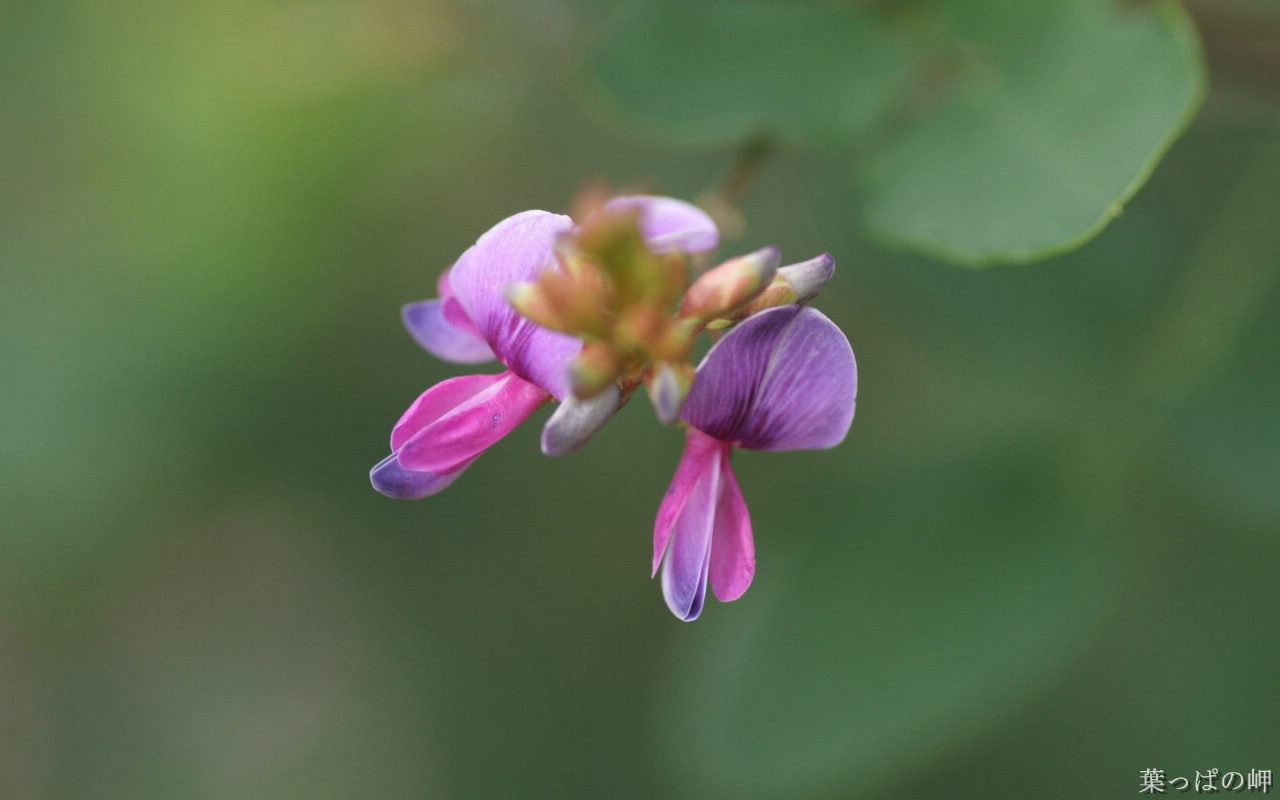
point(1071, 530)
point(720, 73)
point(1043, 561)
point(1012, 131)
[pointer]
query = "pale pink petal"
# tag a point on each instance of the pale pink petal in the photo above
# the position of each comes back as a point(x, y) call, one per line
point(699, 451)
point(516, 250)
point(733, 551)
point(688, 557)
point(471, 427)
point(438, 401)
point(669, 224)
point(429, 325)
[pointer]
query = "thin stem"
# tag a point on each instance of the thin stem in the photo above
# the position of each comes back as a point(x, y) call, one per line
point(746, 168)
point(723, 202)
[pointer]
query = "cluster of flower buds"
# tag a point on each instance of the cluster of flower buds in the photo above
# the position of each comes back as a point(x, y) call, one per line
point(585, 314)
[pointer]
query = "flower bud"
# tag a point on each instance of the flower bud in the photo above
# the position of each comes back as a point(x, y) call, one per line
point(668, 385)
point(794, 283)
point(532, 303)
point(573, 305)
point(807, 278)
point(576, 420)
point(722, 289)
point(595, 368)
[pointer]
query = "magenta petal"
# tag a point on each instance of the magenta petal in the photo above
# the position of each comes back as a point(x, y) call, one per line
point(785, 379)
point(437, 401)
point(670, 224)
point(471, 427)
point(699, 451)
point(688, 557)
point(393, 480)
point(430, 326)
point(454, 314)
point(733, 551)
point(515, 250)
point(457, 317)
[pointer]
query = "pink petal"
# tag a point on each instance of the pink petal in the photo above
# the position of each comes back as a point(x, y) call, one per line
point(515, 250)
point(471, 427)
point(670, 224)
point(688, 557)
point(733, 551)
point(437, 401)
point(785, 379)
point(429, 324)
point(699, 451)
point(454, 313)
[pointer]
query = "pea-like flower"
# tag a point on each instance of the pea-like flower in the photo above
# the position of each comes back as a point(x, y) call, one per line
point(453, 422)
point(784, 379)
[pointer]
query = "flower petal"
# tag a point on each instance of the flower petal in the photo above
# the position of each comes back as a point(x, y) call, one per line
point(699, 451)
point(472, 426)
point(688, 558)
point(453, 311)
point(516, 250)
point(393, 480)
point(669, 224)
point(430, 326)
point(576, 420)
point(785, 379)
point(437, 401)
point(733, 551)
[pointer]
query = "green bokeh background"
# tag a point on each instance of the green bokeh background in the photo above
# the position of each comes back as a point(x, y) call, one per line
point(1044, 560)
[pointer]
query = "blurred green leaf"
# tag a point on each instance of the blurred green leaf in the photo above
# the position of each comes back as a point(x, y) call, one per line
point(910, 614)
point(1004, 132)
point(718, 72)
point(1058, 116)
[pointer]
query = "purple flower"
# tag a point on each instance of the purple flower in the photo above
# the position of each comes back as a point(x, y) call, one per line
point(453, 422)
point(785, 379)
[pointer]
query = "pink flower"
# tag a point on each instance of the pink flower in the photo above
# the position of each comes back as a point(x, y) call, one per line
point(453, 422)
point(785, 379)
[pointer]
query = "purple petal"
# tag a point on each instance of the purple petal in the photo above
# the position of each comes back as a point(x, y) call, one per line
point(688, 556)
point(430, 326)
point(785, 379)
point(393, 480)
point(733, 551)
point(516, 250)
point(670, 224)
point(699, 451)
point(469, 428)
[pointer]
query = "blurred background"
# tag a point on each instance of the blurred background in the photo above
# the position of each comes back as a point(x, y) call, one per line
point(1044, 560)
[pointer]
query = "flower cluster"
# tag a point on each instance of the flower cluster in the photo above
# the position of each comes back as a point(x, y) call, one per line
point(584, 315)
